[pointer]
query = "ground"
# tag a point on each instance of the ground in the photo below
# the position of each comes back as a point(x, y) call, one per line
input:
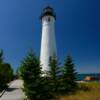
point(88, 91)
point(14, 92)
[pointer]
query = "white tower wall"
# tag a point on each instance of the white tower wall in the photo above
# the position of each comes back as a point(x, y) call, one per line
point(48, 42)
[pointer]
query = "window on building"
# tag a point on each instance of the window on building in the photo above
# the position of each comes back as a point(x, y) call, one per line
point(49, 19)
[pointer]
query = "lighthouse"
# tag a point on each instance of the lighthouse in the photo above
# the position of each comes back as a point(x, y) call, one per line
point(48, 41)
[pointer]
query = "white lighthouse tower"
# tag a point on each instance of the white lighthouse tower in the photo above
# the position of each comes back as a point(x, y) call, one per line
point(48, 42)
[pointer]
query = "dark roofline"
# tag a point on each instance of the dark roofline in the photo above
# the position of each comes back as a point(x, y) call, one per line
point(46, 12)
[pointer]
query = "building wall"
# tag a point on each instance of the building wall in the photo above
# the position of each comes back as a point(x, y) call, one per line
point(48, 42)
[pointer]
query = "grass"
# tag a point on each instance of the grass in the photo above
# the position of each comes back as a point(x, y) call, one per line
point(86, 91)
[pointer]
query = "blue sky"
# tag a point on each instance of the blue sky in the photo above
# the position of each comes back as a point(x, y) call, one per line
point(77, 30)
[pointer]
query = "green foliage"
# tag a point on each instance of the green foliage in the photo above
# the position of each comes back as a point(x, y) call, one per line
point(35, 86)
point(6, 73)
point(17, 73)
point(1, 56)
point(69, 74)
point(30, 67)
point(53, 74)
point(40, 86)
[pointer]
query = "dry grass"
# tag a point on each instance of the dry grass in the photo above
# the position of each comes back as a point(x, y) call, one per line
point(88, 91)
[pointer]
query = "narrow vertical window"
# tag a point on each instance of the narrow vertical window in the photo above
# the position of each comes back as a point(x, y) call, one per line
point(49, 19)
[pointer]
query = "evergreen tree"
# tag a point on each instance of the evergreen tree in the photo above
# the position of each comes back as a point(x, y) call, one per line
point(8, 76)
point(35, 86)
point(54, 73)
point(1, 56)
point(69, 74)
point(6, 72)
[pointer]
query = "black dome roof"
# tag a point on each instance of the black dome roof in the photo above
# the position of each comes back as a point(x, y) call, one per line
point(48, 11)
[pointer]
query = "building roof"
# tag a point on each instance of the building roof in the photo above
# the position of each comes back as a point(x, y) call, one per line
point(48, 11)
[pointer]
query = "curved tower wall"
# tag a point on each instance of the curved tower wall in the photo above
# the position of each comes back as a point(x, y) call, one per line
point(48, 42)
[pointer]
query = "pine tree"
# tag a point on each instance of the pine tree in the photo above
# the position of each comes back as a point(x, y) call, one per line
point(6, 72)
point(35, 86)
point(1, 56)
point(69, 74)
point(54, 73)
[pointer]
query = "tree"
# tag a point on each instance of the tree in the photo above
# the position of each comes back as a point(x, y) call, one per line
point(35, 86)
point(6, 73)
point(69, 74)
point(9, 72)
point(54, 73)
point(1, 56)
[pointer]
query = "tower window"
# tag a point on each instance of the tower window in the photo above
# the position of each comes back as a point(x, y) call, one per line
point(49, 19)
